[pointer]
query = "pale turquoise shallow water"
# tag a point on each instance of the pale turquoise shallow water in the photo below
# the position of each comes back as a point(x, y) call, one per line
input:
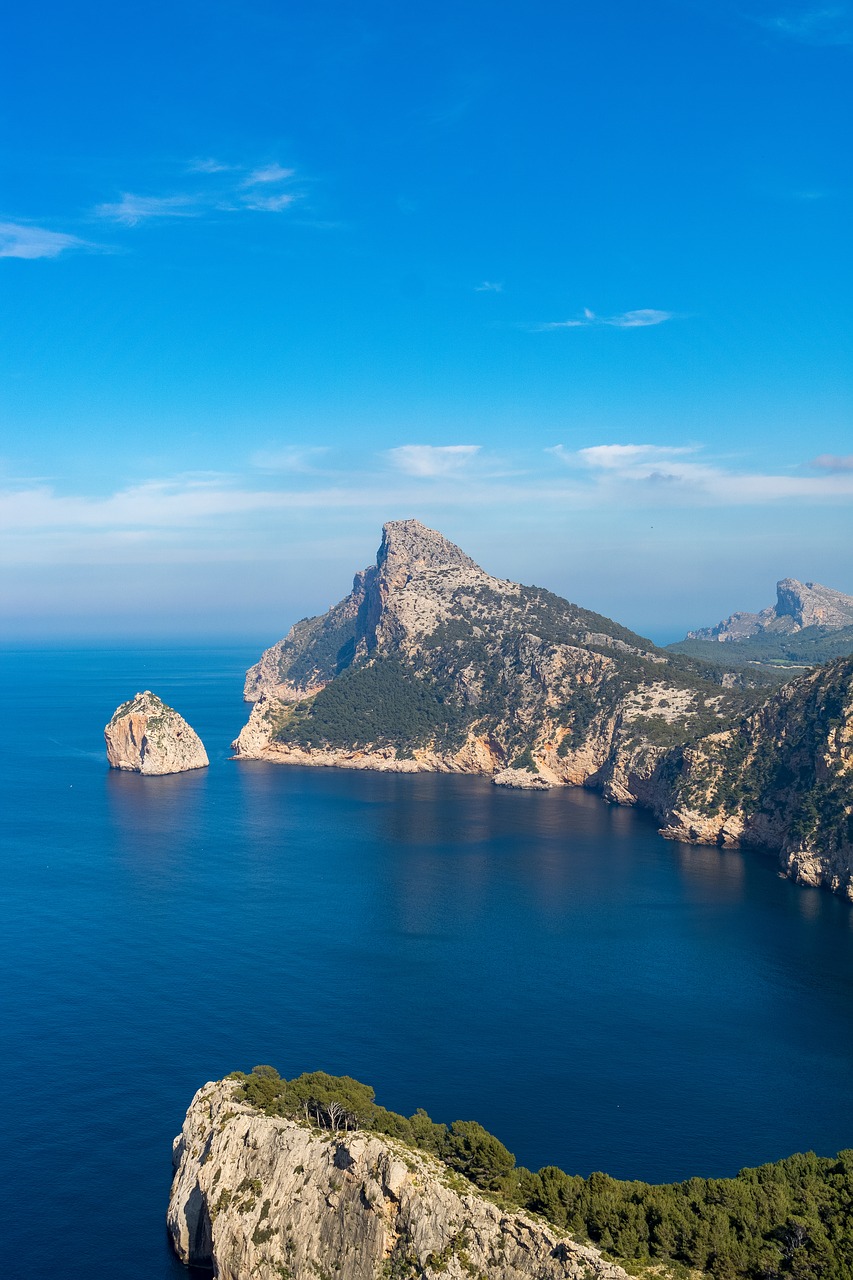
point(546, 964)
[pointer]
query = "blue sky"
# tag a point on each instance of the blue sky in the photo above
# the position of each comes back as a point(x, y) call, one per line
point(570, 282)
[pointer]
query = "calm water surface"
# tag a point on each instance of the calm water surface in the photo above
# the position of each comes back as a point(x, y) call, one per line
point(596, 996)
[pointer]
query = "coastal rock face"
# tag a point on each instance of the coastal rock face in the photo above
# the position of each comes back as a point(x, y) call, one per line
point(798, 605)
point(432, 663)
point(146, 736)
point(260, 1197)
point(780, 780)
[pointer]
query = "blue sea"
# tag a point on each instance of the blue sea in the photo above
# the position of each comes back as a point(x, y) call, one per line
point(546, 964)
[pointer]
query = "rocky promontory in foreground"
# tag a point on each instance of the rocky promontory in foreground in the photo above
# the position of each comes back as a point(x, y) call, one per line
point(432, 664)
point(268, 1197)
point(145, 735)
point(298, 1179)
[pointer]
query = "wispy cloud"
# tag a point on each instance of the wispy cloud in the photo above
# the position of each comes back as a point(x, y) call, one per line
point(622, 457)
point(282, 483)
point(131, 209)
point(830, 25)
point(268, 173)
point(432, 461)
point(661, 473)
point(18, 240)
point(231, 189)
point(833, 462)
point(640, 319)
point(489, 286)
point(269, 204)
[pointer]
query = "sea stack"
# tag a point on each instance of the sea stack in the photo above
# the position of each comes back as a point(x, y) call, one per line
point(146, 736)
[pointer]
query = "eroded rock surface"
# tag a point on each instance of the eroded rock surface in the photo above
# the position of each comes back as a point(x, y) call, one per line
point(264, 1198)
point(147, 736)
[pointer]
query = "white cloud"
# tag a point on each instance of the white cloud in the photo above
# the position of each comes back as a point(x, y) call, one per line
point(429, 460)
point(226, 196)
point(660, 473)
point(17, 240)
point(619, 457)
point(131, 209)
point(268, 173)
point(640, 319)
point(268, 204)
point(489, 286)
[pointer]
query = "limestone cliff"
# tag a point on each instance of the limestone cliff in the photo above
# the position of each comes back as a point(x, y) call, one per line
point(798, 605)
point(432, 663)
point(780, 780)
point(266, 1197)
point(808, 624)
point(146, 736)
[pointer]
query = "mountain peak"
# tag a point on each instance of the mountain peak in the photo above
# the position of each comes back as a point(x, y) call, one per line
point(409, 547)
point(798, 605)
point(813, 605)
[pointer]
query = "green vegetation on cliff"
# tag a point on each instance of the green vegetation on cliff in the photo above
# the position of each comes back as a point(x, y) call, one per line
point(791, 1219)
point(381, 704)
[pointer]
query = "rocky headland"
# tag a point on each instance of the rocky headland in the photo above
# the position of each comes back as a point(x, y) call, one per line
point(808, 624)
point(310, 1178)
point(433, 664)
point(146, 736)
point(269, 1197)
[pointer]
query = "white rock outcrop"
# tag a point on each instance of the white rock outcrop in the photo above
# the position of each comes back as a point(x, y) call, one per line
point(146, 736)
point(262, 1197)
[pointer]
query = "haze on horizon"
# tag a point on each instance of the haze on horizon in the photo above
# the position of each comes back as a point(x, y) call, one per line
point(570, 285)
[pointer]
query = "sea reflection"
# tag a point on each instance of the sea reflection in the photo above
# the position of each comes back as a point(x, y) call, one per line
point(156, 821)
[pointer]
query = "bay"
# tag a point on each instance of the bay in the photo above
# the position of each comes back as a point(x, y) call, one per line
point(544, 963)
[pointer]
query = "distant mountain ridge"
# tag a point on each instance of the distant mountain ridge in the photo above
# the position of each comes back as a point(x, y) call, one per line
point(430, 663)
point(809, 623)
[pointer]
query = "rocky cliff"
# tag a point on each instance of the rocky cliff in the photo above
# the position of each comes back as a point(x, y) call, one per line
point(146, 736)
point(269, 1198)
point(807, 624)
point(431, 663)
point(798, 605)
point(780, 780)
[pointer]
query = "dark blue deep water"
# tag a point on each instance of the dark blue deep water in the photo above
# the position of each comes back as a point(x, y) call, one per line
point(597, 997)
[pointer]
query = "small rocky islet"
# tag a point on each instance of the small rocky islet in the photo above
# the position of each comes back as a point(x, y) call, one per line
point(144, 735)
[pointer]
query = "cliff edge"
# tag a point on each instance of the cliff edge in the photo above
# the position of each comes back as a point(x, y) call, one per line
point(268, 1197)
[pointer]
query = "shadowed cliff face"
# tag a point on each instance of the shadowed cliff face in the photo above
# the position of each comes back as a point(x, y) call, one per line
point(431, 663)
point(263, 1197)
